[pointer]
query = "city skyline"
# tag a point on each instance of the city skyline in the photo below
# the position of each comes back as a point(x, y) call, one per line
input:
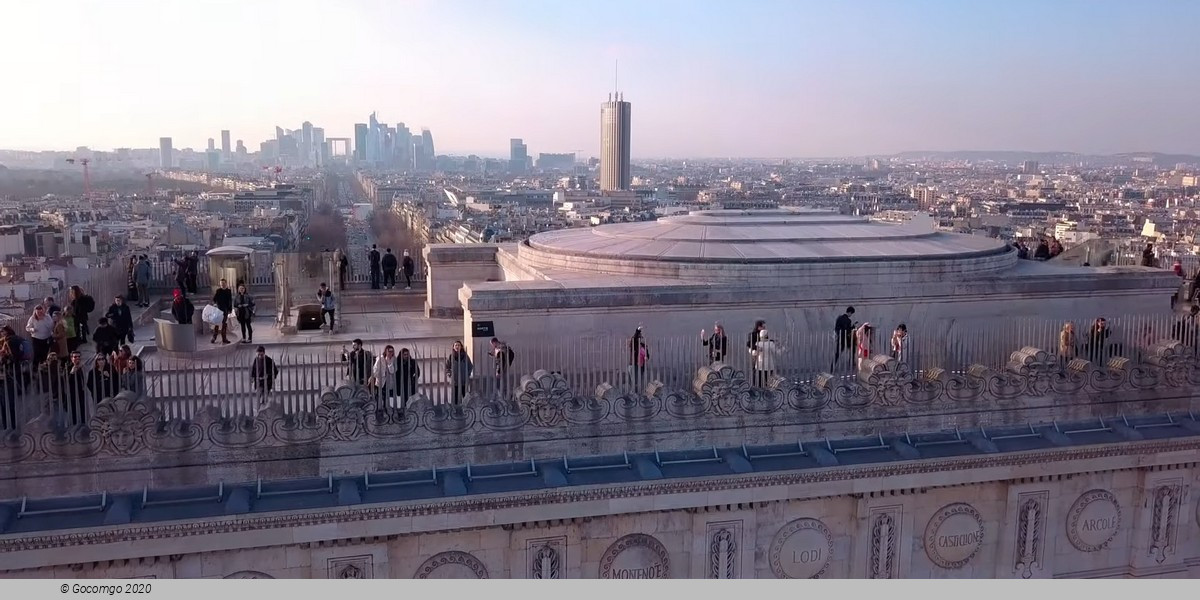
point(790, 79)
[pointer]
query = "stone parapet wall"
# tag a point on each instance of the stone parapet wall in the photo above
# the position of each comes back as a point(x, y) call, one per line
point(1118, 510)
point(450, 266)
point(127, 444)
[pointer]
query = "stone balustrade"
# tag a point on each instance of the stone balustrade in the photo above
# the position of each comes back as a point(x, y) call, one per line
point(127, 444)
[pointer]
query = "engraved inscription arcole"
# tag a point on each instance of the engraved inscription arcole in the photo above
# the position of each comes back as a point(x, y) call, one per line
point(452, 565)
point(954, 535)
point(801, 550)
point(1093, 520)
point(636, 556)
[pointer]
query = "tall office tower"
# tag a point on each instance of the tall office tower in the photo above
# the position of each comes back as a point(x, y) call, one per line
point(319, 156)
point(360, 142)
point(374, 140)
point(165, 153)
point(427, 142)
point(212, 145)
point(518, 155)
point(404, 145)
point(225, 144)
point(241, 147)
point(306, 143)
point(614, 144)
point(1029, 167)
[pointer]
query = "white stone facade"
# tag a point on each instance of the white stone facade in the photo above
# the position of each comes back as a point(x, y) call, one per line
point(1102, 511)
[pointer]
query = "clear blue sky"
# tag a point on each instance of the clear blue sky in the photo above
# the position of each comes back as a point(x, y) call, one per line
point(706, 78)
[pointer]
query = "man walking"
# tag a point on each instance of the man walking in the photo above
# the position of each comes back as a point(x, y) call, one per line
point(389, 269)
point(263, 372)
point(373, 262)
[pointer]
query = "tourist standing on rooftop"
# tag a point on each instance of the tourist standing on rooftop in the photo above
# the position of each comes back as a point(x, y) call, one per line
point(182, 308)
point(383, 375)
point(243, 306)
point(62, 334)
point(1097, 341)
point(192, 262)
point(263, 372)
point(131, 291)
point(121, 318)
point(223, 299)
point(408, 374)
point(502, 357)
point(409, 268)
point(83, 305)
point(343, 264)
point(389, 264)
point(40, 328)
point(103, 381)
point(181, 274)
point(1043, 251)
point(359, 362)
point(752, 339)
point(843, 332)
point(141, 276)
point(901, 344)
point(863, 336)
point(1067, 345)
point(766, 354)
point(458, 371)
point(72, 395)
point(373, 263)
point(106, 337)
point(51, 307)
point(639, 355)
point(717, 343)
point(1148, 256)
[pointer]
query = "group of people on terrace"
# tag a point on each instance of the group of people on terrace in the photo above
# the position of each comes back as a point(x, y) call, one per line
point(1045, 249)
point(383, 268)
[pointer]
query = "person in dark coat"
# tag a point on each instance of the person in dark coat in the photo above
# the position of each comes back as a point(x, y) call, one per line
point(182, 308)
point(71, 385)
point(263, 372)
point(192, 262)
point(103, 381)
point(223, 299)
point(843, 332)
point(359, 363)
point(243, 309)
point(181, 274)
point(409, 268)
point(343, 267)
point(106, 337)
point(389, 265)
point(408, 374)
point(83, 306)
point(121, 318)
point(373, 262)
point(717, 344)
point(458, 371)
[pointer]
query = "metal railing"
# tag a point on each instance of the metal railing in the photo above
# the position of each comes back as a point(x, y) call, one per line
point(181, 388)
point(163, 276)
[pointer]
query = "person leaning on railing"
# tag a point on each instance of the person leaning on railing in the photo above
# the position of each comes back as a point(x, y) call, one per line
point(717, 344)
point(459, 370)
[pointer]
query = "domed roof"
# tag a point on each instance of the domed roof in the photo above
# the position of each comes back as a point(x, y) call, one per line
point(783, 242)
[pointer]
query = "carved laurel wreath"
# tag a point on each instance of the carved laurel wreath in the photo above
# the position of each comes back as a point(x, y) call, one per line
point(786, 533)
point(453, 557)
point(1076, 513)
point(630, 541)
point(931, 531)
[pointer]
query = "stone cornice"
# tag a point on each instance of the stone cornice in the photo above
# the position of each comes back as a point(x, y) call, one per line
point(18, 543)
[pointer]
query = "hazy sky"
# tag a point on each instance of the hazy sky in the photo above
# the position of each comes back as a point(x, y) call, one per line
point(706, 78)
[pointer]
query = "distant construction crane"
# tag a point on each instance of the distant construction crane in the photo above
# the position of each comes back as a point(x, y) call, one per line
point(87, 178)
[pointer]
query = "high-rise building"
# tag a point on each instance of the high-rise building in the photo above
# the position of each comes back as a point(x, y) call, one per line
point(614, 144)
point(165, 153)
point(212, 145)
point(360, 142)
point(306, 143)
point(518, 155)
point(319, 154)
point(1029, 167)
point(225, 143)
point(241, 147)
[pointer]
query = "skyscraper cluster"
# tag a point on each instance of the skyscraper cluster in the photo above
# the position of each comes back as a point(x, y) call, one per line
point(378, 145)
point(303, 147)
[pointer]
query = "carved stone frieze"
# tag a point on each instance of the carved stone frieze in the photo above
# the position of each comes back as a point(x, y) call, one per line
point(351, 567)
point(802, 549)
point(546, 558)
point(1030, 540)
point(883, 554)
point(636, 556)
point(1164, 518)
point(723, 550)
point(127, 425)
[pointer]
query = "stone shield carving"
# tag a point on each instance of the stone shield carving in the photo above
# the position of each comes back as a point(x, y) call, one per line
point(801, 550)
point(452, 565)
point(954, 535)
point(636, 556)
point(1093, 520)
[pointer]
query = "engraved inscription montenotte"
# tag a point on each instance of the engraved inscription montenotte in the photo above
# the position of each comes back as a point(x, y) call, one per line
point(636, 556)
point(954, 535)
point(1093, 520)
point(801, 550)
point(452, 565)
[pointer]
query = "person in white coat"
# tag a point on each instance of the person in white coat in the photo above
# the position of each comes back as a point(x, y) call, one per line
point(766, 354)
point(383, 374)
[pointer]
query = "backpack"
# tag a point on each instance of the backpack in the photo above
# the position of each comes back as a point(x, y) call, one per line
point(87, 304)
point(511, 355)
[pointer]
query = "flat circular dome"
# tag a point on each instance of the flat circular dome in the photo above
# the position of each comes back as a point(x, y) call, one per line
point(786, 243)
